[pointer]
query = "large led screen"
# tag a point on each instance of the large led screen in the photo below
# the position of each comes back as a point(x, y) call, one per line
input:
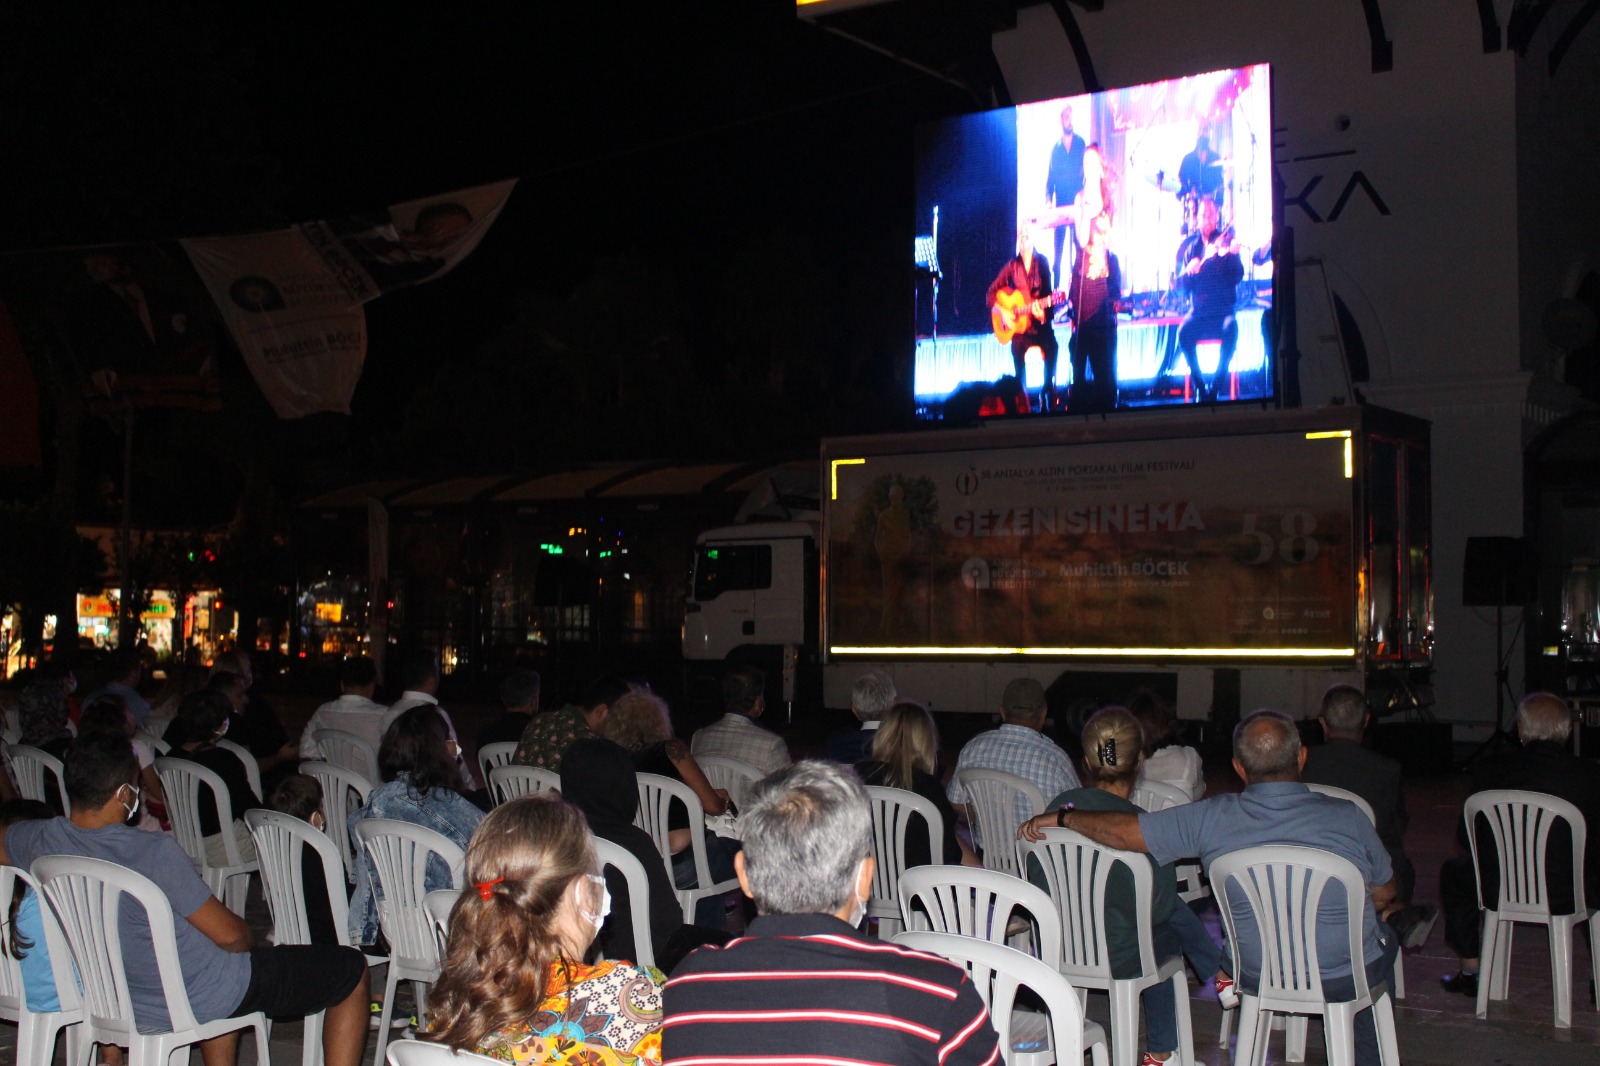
point(1097, 252)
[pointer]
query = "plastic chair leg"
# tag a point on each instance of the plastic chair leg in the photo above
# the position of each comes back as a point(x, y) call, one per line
point(1502, 980)
point(1388, 1039)
point(1488, 960)
point(1124, 1023)
point(311, 1053)
point(1338, 1033)
point(1400, 975)
point(1594, 961)
point(1295, 1029)
point(1180, 995)
point(1561, 968)
point(1252, 1032)
point(1225, 1029)
point(381, 1038)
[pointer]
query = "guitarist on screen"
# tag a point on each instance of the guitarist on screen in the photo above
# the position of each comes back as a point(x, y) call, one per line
point(1019, 299)
point(1208, 272)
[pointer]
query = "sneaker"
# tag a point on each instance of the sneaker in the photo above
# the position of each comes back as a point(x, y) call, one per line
point(1461, 983)
point(1148, 1059)
point(1227, 995)
point(375, 1017)
point(1413, 924)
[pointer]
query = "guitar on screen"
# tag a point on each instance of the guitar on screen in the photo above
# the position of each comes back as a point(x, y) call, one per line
point(1015, 312)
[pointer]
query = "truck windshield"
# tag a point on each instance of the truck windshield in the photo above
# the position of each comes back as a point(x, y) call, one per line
point(720, 568)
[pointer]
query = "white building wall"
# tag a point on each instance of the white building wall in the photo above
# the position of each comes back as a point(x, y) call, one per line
point(1432, 276)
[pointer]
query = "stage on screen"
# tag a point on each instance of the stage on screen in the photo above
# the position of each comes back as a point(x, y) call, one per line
point(1098, 252)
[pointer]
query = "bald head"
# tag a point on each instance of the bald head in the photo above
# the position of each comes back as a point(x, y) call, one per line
point(1266, 747)
point(1344, 712)
point(1543, 716)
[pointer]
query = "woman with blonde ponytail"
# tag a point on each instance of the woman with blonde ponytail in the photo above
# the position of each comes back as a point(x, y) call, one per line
point(514, 985)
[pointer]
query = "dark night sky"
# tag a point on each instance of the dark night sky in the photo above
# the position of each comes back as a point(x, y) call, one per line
point(687, 148)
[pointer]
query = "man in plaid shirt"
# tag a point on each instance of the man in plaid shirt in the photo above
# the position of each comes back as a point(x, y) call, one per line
point(1017, 747)
point(736, 734)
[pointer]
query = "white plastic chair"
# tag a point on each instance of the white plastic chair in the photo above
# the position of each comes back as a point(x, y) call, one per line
point(11, 730)
point(638, 882)
point(181, 780)
point(1283, 885)
point(1366, 809)
point(735, 775)
point(987, 904)
point(497, 754)
point(36, 1030)
point(29, 766)
point(343, 792)
point(1520, 824)
point(507, 783)
point(892, 809)
point(997, 972)
point(281, 840)
point(399, 852)
point(252, 770)
point(656, 796)
point(1078, 872)
point(437, 905)
point(349, 751)
point(410, 1052)
point(1155, 796)
point(991, 804)
point(86, 895)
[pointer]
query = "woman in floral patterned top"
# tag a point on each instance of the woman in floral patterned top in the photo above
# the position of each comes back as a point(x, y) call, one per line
point(513, 985)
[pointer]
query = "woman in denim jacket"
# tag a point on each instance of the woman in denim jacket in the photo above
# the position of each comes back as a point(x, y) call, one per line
point(419, 772)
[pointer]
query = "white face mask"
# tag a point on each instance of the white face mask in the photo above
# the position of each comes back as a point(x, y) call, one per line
point(133, 810)
point(597, 918)
point(858, 908)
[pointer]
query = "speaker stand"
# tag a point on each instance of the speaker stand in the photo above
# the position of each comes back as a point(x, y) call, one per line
point(1501, 737)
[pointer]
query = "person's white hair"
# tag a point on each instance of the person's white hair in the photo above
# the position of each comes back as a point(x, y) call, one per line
point(872, 695)
point(806, 829)
point(1543, 716)
point(1267, 744)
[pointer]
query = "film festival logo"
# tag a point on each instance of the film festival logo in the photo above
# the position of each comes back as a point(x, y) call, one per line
point(967, 481)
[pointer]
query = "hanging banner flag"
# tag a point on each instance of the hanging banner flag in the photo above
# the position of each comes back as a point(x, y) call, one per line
point(301, 334)
point(292, 298)
point(135, 317)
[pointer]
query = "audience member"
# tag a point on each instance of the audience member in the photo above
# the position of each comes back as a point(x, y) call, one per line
point(641, 723)
point(1274, 808)
point(110, 714)
point(224, 973)
point(870, 699)
point(514, 985)
point(419, 678)
point(1165, 760)
point(22, 936)
point(905, 754)
point(807, 863)
point(353, 712)
point(1113, 753)
point(519, 701)
point(255, 723)
point(1017, 747)
point(597, 777)
point(43, 714)
point(202, 721)
point(418, 763)
point(738, 734)
point(300, 796)
point(550, 734)
point(1540, 764)
point(125, 668)
point(1342, 762)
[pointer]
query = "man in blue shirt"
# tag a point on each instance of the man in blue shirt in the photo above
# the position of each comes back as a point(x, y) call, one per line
point(1274, 808)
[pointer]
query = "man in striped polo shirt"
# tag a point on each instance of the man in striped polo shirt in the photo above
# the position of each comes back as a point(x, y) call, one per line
point(805, 986)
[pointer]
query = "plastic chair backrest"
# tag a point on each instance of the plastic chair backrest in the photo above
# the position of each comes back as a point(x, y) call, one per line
point(343, 793)
point(349, 751)
point(410, 1052)
point(437, 905)
point(13, 1000)
point(181, 780)
point(281, 840)
point(513, 782)
point(992, 804)
point(978, 903)
point(497, 754)
point(656, 796)
point(997, 972)
point(252, 770)
point(638, 883)
point(86, 895)
point(11, 728)
point(29, 765)
point(399, 852)
point(1345, 794)
point(1078, 872)
point(892, 809)
point(735, 775)
point(1153, 796)
point(1282, 885)
point(1520, 823)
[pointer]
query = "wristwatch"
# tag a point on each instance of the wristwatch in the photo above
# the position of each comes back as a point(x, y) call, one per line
point(1061, 815)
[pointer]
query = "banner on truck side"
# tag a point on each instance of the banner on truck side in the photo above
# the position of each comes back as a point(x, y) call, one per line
point(1211, 546)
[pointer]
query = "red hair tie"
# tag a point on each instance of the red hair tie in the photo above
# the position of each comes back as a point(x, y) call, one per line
point(486, 888)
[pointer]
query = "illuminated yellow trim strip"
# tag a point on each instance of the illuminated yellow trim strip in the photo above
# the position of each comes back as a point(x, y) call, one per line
point(1349, 448)
point(834, 473)
point(1187, 653)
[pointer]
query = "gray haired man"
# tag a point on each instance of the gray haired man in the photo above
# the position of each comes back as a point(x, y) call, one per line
point(804, 984)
